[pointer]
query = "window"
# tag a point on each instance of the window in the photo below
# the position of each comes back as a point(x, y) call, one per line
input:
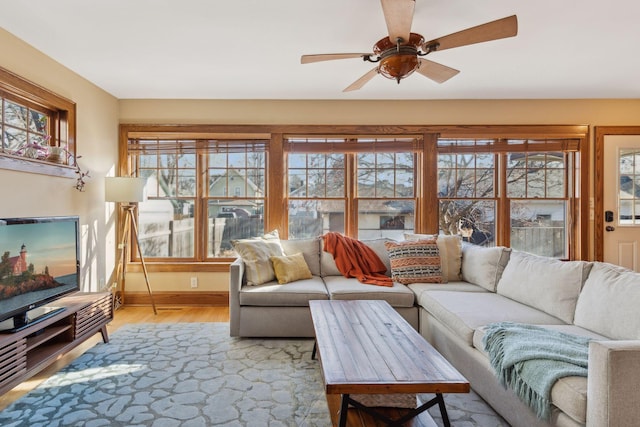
point(629, 198)
point(364, 187)
point(23, 128)
point(32, 120)
point(201, 195)
point(210, 184)
point(516, 193)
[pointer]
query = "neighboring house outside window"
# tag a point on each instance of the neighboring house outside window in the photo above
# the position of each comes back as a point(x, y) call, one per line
point(188, 215)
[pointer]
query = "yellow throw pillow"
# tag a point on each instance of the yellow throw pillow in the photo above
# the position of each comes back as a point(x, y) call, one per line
point(290, 268)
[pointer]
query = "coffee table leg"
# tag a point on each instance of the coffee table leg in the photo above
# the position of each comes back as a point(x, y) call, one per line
point(315, 348)
point(443, 410)
point(344, 410)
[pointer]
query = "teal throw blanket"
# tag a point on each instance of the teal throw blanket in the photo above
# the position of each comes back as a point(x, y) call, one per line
point(529, 359)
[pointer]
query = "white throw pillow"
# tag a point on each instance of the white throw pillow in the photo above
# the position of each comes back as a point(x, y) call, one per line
point(609, 302)
point(548, 284)
point(255, 253)
point(450, 247)
point(483, 266)
point(310, 248)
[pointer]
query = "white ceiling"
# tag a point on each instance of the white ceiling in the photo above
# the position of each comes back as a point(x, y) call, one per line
point(213, 49)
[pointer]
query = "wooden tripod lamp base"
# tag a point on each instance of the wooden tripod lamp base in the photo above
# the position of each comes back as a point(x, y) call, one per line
point(128, 191)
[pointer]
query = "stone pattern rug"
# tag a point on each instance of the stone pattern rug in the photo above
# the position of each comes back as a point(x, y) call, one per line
point(195, 375)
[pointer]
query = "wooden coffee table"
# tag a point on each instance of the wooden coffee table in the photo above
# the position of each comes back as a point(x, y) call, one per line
point(366, 347)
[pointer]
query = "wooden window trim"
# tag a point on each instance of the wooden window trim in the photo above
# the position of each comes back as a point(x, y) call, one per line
point(426, 210)
point(62, 126)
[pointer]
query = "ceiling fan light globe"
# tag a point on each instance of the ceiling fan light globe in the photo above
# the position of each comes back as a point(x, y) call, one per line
point(397, 67)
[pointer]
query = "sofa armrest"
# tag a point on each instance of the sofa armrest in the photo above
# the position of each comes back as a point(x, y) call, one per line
point(236, 277)
point(612, 384)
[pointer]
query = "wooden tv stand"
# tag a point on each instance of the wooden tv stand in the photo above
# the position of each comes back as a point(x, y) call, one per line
point(30, 350)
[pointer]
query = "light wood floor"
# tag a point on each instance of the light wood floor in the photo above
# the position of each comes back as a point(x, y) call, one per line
point(124, 315)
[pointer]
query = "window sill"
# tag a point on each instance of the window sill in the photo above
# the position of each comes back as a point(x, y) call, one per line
point(17, 163)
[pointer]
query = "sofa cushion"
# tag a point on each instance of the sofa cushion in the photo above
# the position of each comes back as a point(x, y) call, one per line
point(255, 253)
point(296, 294)
point(290, 268)
point(328, 265)
point(463, 312)
point(310, 249)
point(342, 288)
point(482, 265)
point(609, 302)
point(419, 288)
point(548, 284)
point(450, 247)
point(415, 261)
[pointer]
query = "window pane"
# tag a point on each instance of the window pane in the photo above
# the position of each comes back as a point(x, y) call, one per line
point(232, 219)
point(13, 139)
point(186, 183)
point(237, 188)
point(311, 218)
point(15, 115)
point(297, 182)
point(166, 228)
point(473, 219)
point(237, 160)
point(217, 182)
point(385, 175)
point(152, 181)
point(37, 122)
point(539, 227)
point(317, 179)
point(459, 176)
point(385, 218)
point(629, 189)
point(536, 175)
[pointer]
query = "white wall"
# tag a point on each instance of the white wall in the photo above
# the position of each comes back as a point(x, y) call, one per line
point(27, 194)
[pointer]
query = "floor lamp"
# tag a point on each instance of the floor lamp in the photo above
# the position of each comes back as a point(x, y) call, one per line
point(128, 192)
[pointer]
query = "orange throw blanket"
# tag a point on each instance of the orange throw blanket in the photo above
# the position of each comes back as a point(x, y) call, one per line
point(355, 259)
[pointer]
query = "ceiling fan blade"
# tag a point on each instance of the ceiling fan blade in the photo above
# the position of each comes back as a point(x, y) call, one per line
point(307, 59)
point(437, 72)
point(494, 30)
point(362, 80)
point(398, 15)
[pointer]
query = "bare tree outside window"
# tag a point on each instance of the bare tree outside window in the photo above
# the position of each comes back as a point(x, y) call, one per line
point(536, 193)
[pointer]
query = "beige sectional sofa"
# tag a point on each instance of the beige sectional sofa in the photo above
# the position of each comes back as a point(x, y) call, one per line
point(596, 300)
point(274, 310)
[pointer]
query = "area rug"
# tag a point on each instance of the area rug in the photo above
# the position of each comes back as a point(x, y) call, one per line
point(192, 375)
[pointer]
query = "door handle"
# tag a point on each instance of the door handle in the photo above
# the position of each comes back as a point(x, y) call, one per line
point(610, 228)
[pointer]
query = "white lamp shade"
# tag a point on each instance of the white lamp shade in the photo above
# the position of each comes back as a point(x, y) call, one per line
point(124, 189)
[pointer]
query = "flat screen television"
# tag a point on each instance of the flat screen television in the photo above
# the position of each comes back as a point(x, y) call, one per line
point(39, 263)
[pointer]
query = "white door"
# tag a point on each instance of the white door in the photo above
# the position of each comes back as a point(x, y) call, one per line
point(621, 200)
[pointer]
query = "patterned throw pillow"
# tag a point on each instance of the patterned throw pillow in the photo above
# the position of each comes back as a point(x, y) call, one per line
point(256, 253)
point(450, 247)
point(290, 268)
point(415, 261)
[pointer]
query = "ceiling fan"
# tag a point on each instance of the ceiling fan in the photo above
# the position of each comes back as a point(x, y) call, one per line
point(400, 53)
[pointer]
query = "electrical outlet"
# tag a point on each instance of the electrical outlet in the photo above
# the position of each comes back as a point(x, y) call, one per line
point(194, 282)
